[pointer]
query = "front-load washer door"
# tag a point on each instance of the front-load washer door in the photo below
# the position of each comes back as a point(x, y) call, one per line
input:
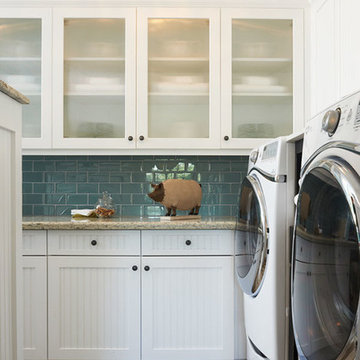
point(326, 262)
point(251, 237)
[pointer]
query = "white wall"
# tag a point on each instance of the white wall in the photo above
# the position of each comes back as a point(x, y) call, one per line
point(335, 51)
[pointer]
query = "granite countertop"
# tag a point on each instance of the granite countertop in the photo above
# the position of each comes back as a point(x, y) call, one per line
point(126, 223)
point(16, 95)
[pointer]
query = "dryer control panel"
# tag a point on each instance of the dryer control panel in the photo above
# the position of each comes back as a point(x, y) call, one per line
point(338, 123)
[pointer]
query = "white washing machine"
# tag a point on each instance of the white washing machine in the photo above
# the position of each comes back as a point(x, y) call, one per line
point(326, 260)
point(262, 260)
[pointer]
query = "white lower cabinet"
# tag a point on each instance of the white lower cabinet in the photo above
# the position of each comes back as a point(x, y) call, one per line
point(35, 307)
point(94, 307)
point(187, 308)
point(176, 301)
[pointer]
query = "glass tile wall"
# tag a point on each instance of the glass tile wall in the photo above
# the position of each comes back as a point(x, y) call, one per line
point(53, 185)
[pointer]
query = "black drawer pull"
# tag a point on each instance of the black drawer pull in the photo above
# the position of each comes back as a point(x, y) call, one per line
point(147, 268)
point(130, 138)
point(188, 242)
point(93, 242)
point(134, 267)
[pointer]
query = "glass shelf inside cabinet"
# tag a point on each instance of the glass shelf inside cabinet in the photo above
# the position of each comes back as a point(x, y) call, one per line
point(262, 72)
point(20, 67)
point(94, 78)
point(178, 78)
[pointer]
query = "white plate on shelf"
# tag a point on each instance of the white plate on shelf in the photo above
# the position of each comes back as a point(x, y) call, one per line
point(179, 87)
point(248, 88)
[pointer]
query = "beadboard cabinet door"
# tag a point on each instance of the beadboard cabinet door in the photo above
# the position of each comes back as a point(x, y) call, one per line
point(187, 308)
point(94, 78)
point(35, 307)
point(94, 307)
point(262, 75)
point(178, 78)
point(11, 307)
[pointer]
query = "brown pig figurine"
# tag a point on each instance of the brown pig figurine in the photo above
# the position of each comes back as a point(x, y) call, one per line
point(178, 194)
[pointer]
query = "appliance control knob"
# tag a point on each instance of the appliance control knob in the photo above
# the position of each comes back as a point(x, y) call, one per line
point(254, 155)
point(331, 120)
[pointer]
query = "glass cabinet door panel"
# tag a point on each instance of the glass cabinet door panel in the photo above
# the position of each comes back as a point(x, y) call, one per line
point(178, 78)
point(20, 67)
point(94, 78)
point(262, 76)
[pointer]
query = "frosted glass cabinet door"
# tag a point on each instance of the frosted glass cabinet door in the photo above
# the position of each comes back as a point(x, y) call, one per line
point(94, 84)
point(262, 75)
point(25, 64)
point(178, 78)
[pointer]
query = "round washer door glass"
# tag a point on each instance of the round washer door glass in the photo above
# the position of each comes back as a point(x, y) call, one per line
point(251, 237)
point(326, 268)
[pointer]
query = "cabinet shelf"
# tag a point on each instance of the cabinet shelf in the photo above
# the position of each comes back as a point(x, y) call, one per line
point(24, 58)
point(179, 59)
point(238, 94)
point(95, 59)
point(179, 94)
point(91, 93)
point(246, 59)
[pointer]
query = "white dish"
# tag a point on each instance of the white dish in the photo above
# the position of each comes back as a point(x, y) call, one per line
point(247, 88)
point(178, 87)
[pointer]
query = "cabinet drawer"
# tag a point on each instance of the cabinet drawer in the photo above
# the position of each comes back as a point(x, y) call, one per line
point(34, 242)
point(188, 242)
point(101, 242)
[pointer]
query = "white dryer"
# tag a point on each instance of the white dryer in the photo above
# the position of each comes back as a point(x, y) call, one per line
point(262, 261)
point(326, 260)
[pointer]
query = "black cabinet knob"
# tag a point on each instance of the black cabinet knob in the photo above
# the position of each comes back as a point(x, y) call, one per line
point(141, 138)
point(130, 138)
point(226, 138)
point(93, 242)
point(188, 242)
point(147, 268)
point(134, 267)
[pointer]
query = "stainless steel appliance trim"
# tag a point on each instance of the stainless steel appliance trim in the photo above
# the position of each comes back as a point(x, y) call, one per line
point(355, 148)
point(270, 177)
point(349, 182)
point(261, 257)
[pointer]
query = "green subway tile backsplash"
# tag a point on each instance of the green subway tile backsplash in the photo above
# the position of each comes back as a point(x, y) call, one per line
point(53, 185)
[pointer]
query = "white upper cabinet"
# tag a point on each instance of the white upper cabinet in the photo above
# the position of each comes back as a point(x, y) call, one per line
point(25, 64)
point(94, 78)
point(262, 75)
point(178, 78)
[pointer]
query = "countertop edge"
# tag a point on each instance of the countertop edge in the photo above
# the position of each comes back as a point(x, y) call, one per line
point(130, 226)
point(13, 93)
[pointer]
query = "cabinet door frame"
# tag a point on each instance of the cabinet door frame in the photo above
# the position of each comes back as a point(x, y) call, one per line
point(45, 15)
point(38, 307)
point(226, 263)
point(213, 15)
point(59, 14)
point(96, 262)
point(297, 16)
